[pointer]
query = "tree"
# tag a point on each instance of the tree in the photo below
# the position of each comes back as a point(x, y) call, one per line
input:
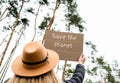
point(98, 70)
point(15, 16)
point(19, 19)
point(105, 72)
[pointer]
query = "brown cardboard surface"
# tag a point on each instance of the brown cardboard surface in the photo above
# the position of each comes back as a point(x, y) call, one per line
point(69, 46)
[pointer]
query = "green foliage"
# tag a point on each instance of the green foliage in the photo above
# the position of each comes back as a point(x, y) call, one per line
point(69, 71)
point(6, 28)
point(118, 73)
point(13, 8)
point(2, 1)
point(110, 78)
point(107, 68)
point(88, 81)
point(92, 47)
point(25, 21)
point(44, 2)
point(100, 60)
point(92, 71)
point(72, 16)
point(44, 23)
point(30, 10)
point(99, 67)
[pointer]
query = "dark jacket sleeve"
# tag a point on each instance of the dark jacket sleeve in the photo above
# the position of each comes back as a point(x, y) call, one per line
point(78, 75)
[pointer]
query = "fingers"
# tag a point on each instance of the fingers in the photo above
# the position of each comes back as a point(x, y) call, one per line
point(82, 59)
point(82, 55)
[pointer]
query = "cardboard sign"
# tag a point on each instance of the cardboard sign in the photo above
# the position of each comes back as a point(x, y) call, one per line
point(69, 46)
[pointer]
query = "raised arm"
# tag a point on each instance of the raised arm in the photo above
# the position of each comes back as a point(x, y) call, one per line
point(79, 73)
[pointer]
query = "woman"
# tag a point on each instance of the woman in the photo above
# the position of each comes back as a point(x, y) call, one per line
point(36, 64)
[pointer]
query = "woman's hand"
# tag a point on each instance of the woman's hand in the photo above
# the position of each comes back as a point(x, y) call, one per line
point(82, 59)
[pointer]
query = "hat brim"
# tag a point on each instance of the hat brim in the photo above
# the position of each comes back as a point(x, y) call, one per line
point(20, 69)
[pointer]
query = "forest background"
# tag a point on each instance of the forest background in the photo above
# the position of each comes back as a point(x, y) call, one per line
point(26, 20)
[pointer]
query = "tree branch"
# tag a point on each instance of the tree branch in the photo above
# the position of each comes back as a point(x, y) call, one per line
point(35, 22)
point(3, 13)
point(11, 35)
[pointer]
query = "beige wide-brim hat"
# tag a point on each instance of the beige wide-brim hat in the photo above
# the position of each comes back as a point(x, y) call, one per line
point(35, 60)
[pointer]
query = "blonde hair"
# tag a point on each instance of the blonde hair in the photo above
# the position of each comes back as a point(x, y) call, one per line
point(49, 77)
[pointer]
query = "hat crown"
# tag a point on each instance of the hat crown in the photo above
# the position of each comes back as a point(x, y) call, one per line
point(34, 52)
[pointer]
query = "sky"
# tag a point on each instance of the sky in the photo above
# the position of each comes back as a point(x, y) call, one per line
point(102, 22)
